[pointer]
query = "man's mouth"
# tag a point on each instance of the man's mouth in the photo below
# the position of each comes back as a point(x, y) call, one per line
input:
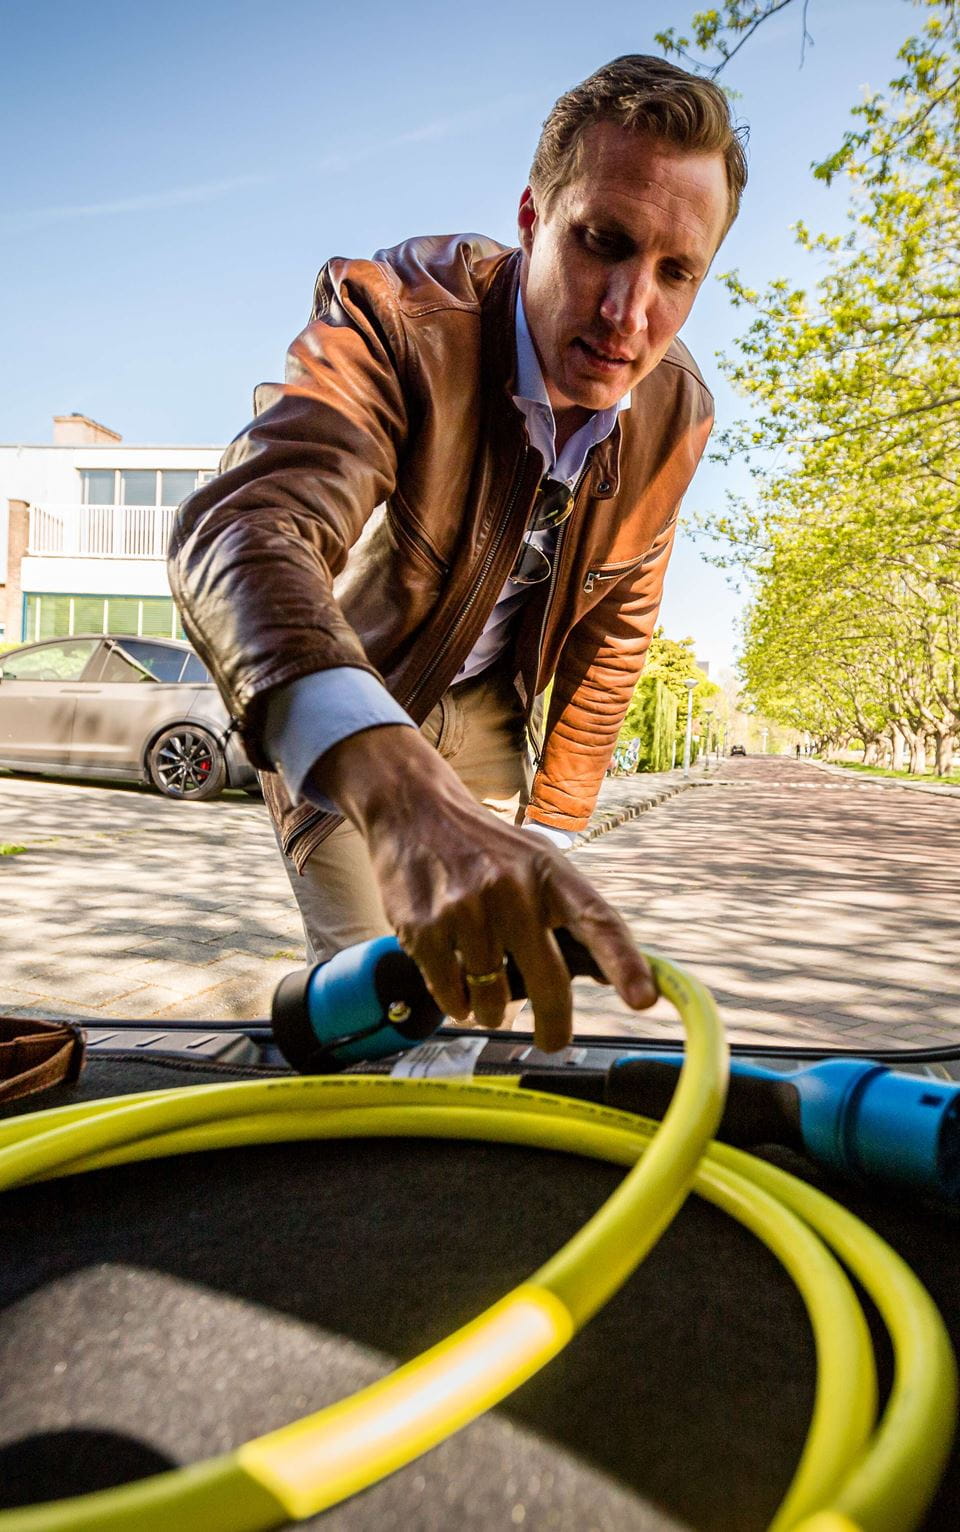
point(609, 361)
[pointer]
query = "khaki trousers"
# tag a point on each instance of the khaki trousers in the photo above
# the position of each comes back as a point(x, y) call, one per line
point(478, 728)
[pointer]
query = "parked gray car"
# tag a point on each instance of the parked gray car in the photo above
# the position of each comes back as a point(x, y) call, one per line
point(136, 709)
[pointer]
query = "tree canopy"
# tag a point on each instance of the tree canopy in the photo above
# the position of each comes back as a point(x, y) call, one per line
point(850, 536)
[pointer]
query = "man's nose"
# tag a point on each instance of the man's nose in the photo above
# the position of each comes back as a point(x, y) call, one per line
point(627, 300)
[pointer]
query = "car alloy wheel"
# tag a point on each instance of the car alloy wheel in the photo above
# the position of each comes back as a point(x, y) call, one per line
point(187, 762)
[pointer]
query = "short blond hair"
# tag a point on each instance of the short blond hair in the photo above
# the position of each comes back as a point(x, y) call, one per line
point(649, 96)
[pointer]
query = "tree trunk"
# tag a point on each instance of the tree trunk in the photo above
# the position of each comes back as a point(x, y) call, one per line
point(899, 748)
point(916, 742)
point(944, 757)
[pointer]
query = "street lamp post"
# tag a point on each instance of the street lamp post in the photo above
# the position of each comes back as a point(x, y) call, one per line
point(690, 684)
point(708, 714)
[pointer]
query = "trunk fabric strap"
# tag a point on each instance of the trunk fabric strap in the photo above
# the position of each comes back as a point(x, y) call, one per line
point(37, 1054)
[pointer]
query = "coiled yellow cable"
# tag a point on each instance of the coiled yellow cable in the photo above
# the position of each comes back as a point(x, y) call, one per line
point(845, 1475)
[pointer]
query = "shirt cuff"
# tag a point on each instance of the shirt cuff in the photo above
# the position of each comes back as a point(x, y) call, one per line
point(565, 840)
point(307, 718)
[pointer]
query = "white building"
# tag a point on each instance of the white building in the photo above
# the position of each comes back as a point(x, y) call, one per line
point(84, 528)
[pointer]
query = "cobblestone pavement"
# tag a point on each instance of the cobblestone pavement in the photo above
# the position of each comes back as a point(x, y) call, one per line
point(120, 903)
point(817, 907)
point(125, 904)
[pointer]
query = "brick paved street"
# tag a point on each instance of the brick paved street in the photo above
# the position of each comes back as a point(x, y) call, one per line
point(818, 907)
point(125, 904)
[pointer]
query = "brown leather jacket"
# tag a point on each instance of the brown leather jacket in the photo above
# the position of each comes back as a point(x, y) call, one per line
point(398, 402)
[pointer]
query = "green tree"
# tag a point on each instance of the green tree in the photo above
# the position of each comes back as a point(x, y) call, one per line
point(650, 718)
point(650, 726)
point(851, 535)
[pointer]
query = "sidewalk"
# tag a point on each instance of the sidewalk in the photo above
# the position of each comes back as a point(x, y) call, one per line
point(943, 789)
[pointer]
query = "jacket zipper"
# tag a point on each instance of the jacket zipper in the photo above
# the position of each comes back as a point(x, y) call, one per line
point(604, 576)
point(489, 559)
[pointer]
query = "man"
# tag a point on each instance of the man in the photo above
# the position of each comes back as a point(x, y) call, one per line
point(488, 447)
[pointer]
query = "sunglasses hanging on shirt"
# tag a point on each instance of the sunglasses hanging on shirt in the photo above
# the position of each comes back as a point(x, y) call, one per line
point(551, 508)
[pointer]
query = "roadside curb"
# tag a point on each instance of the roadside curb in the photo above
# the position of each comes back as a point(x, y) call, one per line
point(611, 815)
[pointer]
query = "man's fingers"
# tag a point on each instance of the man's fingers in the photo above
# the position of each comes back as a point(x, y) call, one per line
point(546, 980)
point(483, 961)
point(461, 906)
point(437, 960)
point(464, 986)
point(608, 938)
point(573, 902)
point(489, 994)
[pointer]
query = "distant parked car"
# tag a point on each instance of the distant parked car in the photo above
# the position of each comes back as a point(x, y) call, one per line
point(135, 709)
point(738, 749)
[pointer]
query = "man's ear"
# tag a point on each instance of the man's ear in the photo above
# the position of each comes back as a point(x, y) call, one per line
point(527, 220)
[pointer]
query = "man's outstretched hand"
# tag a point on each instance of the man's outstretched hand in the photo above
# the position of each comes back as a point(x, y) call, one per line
point(462, 889)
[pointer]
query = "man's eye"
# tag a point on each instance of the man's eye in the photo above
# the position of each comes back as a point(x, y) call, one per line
point(603, 244)
point(677, 274)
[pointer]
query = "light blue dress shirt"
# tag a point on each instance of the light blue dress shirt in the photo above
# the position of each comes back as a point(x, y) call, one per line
point(311, 715)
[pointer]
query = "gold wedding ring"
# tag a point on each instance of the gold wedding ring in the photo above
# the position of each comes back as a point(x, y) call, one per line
point(485, 978)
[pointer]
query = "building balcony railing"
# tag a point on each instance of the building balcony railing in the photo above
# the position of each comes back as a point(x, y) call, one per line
point(100, 531)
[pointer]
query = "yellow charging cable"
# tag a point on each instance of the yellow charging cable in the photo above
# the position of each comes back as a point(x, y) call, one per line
point(305, 1467)
point(880, 1482)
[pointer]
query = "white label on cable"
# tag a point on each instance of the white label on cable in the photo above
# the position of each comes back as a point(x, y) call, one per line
point(533, 1055)
point(457, 1057)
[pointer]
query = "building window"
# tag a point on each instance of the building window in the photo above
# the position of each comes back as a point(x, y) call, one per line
point(157, 620)
point(138, 486)
point(176, 485)
point(99, 486)
point(141, 486)
point(62, 616)
point(84, 615)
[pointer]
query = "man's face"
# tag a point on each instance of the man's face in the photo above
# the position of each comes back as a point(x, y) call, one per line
point(611, 270)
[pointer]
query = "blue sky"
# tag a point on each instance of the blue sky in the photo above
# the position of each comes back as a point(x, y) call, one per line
point(172, 176)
